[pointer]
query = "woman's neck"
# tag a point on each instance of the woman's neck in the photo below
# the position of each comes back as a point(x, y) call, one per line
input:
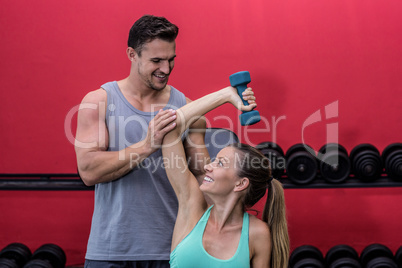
point(227, 212)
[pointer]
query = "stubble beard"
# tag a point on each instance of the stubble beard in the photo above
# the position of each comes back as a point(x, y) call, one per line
point(148, 81)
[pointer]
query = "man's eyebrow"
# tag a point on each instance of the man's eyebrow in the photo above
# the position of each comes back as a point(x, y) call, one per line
point(158, 58)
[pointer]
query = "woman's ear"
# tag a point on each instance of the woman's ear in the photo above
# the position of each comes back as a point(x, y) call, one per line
point(241, 184)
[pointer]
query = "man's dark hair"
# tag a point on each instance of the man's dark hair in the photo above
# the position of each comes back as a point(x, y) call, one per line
point(148, 28)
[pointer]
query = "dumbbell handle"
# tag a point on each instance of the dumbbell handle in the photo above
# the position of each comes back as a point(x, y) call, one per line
point(239, 81)
point(240, 89)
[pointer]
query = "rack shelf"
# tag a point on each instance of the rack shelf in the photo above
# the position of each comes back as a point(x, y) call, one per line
point(72, 182)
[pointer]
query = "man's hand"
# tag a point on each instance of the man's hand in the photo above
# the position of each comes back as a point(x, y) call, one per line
point(160, 125)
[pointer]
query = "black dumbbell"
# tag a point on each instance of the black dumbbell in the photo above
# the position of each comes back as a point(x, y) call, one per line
point(392, 160)
point(276, 157)
point(47, 256)
point(306, 256)
point(334, 163)
point(8, 263)
point(366, 162)
point(382, 262)
point(398, 257)
point(342, 256)
point(376, 256)
point(345, 263)
point(301, 164)
point(14, 255)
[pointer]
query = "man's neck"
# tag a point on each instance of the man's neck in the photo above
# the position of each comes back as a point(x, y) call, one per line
point(143, 97)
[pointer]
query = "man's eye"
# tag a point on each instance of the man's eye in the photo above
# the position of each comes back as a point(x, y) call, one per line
point(220, 163)
point(156, 61)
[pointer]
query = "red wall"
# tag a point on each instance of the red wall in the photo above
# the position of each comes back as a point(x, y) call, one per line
point(302, 56)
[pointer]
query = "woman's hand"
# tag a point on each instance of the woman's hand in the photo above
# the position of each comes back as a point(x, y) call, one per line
point(234, 98)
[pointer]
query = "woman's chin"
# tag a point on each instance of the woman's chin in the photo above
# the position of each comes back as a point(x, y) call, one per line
point(204, 187)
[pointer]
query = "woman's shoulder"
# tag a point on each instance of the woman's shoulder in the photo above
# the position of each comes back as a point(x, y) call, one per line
point(258, 230)
point(260, 244)
point(258, 225)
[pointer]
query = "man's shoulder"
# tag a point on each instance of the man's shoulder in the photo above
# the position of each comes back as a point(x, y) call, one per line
point(95, 96)
point(177, 94)
point(172, 88)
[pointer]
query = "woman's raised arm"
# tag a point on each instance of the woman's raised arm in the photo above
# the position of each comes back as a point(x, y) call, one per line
point(176, 166)
point(192, 203)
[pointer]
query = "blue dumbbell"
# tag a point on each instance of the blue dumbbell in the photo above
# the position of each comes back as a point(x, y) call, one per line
point(239, 81)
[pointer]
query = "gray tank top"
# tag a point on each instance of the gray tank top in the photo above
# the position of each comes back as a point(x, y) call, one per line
point(133, 216)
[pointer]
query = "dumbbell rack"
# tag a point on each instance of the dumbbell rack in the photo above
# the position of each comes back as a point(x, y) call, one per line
point(351, 182)
point(301, 167)
point(67, 182)
point(72, 182)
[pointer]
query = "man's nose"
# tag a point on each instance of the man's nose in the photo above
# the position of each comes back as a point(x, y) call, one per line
point(165, 67)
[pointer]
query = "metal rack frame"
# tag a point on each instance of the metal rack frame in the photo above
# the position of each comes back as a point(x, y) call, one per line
point(73, 182)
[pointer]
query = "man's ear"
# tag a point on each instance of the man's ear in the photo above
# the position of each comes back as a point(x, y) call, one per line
point(131, 54)
point(242, 184)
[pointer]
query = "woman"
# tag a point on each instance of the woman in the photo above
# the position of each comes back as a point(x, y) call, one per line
point(224, 234)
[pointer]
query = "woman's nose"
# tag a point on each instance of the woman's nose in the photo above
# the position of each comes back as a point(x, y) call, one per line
point(208, 167)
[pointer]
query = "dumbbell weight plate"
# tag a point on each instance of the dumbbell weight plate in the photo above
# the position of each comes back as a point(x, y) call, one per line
point(392, 160)
point(334, 163)
point(340, 251)
point(395, 165)
point(389, 149)
point(276, 157)
point(398, 256)
point(38, 263)
point(305, 252)
point(366, 162)
point(382, 262)
point(301, 169)
point(53, 253)
point(362, 148)
point(7, 263)
point(309, 263)
point(333, 147)
point(300, 147)
point(345, 263)
point(373, 251)
point(18, 252)
point(301, 164)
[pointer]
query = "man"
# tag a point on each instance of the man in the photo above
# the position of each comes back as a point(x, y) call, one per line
point(119, 132)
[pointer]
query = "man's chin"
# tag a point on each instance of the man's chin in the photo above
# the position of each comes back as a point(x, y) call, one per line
point(158, 87)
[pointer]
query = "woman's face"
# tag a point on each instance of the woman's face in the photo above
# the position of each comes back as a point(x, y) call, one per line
point(221, 175)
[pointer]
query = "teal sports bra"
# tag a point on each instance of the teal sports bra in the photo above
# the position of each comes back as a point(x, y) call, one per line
point(190, 252)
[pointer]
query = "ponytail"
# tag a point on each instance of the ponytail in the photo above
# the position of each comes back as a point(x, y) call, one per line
point(257, 168)
point(275, 216)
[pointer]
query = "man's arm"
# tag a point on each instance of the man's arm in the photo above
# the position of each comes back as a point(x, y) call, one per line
point(95, 164)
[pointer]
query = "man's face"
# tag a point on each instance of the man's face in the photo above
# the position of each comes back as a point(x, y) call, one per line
point(156, 63)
